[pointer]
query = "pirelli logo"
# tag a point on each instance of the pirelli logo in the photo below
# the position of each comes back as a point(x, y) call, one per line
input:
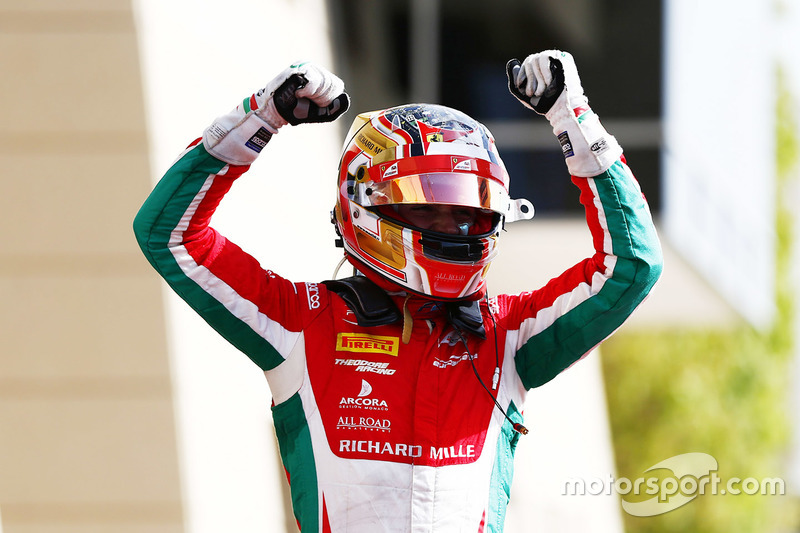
point(366, 343)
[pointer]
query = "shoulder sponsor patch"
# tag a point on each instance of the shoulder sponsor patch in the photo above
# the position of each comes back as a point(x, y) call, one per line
point(312, 291)
point(366, 343)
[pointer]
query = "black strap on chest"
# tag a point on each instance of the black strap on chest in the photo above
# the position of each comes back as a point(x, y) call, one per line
point(371, 305)
point(467, 316)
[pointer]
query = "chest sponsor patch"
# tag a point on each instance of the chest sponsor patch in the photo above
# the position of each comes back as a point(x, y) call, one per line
point(366, 343)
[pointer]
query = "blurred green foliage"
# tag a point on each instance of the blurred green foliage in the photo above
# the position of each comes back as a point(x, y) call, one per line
point(723, 392)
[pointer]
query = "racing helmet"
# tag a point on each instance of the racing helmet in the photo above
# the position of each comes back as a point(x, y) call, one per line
point(422, 154)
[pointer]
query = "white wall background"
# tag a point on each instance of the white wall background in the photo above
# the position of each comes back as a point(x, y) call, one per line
point(720, 96)
point(719, 153)
point(200, 59)
point(787, 45)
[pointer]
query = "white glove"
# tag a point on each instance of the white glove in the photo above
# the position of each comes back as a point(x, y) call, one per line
point(548, 83)
point(302, 93)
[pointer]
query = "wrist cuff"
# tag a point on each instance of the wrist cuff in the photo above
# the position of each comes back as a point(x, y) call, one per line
point(238, 142)
point(589, 150)
point(271, 116)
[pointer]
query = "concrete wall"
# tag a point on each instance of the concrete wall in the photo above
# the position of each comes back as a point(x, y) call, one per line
point(87, 441)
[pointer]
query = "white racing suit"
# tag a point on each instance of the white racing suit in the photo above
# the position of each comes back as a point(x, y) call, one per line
point(377, 435)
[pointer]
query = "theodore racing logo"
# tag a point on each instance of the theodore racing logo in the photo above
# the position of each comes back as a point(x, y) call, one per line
point(366, 343)
point(363, 400)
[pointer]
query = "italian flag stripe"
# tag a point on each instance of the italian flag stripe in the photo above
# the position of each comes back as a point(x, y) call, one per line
point(294, 441)
point(582, 113)
point(246, 105)
point(503, 470)
point(159, 228)
point(591, 300)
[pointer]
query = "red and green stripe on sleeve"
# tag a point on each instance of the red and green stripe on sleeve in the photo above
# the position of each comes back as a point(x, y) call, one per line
point(225, 285)
point(569, 316)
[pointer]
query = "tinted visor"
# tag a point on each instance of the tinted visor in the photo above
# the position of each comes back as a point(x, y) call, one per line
point(435, 188)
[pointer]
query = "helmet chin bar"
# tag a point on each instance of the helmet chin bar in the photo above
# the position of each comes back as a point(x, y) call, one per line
point(449, 250)
point(440, 266)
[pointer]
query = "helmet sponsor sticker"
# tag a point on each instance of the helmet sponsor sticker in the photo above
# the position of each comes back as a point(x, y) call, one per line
point(366, 343)
point(367, 145)
point(449, 276)
point(465, 165)
point(389, 172)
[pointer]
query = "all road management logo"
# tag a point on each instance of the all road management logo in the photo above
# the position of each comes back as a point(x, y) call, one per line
point(693, 474)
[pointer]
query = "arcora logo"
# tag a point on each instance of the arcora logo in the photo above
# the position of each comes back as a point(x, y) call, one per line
point(363, 401)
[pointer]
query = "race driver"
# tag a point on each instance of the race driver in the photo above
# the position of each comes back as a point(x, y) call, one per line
point(398, 392)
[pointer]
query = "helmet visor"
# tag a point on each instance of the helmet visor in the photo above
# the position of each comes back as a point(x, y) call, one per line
point(451, 188)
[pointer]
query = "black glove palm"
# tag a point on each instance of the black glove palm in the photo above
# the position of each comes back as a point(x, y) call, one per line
point(302, 110)
point(520, 86)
